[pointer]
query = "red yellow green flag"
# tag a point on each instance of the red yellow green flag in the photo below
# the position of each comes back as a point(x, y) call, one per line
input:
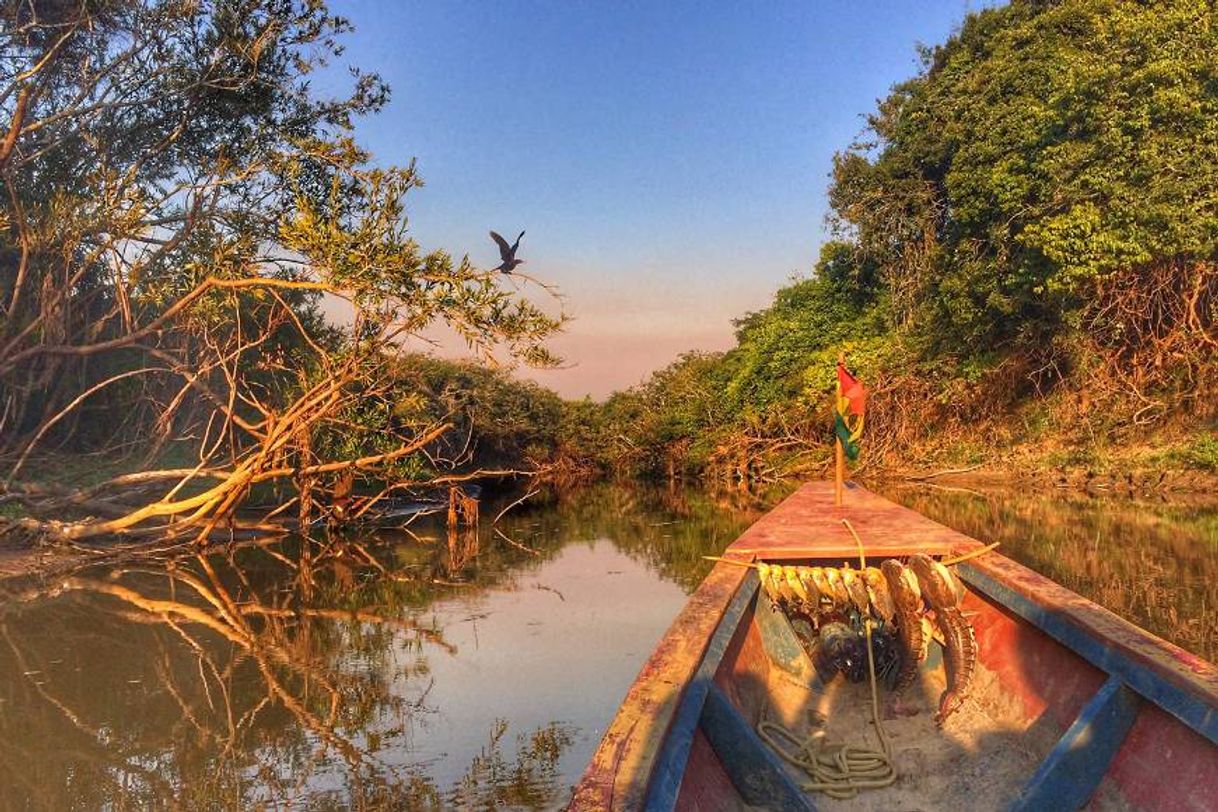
point(851, 403)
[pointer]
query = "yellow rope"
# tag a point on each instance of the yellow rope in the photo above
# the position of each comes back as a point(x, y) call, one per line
point(971, 554)
point(839, 770)
point(734, 561)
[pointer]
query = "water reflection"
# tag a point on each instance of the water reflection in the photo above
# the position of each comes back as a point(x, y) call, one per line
point(529, 780)
point(1152, 562)
point(418, 669)
point(414, 670)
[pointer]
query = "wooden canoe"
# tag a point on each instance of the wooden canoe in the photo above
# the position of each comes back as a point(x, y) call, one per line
point(1078, 707)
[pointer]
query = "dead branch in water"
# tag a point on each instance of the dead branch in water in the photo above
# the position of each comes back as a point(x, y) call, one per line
point(945, 472)
point(515, 543)
point(519, 501)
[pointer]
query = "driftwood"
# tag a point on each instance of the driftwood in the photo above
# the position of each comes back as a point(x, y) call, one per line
point(946, 472)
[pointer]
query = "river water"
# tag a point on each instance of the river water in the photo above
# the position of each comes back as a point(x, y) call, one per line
point(1152, 560)
point(416, 669)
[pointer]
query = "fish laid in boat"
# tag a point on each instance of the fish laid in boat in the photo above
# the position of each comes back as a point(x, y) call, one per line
point(907, 601)
point(943, 592)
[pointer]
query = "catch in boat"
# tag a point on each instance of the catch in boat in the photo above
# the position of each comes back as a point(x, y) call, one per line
point(862, 656)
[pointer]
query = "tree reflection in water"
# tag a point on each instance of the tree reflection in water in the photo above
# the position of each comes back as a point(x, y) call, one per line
point(1153, 562)
point(529, 781)
point(319, 674)
point(234, 681)
point(238, 687)
point(296, 672)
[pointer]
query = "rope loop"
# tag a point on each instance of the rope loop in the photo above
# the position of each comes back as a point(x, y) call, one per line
point(837, 769)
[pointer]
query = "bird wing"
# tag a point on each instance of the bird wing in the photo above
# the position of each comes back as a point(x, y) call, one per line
point(516, 244)
point(505, 250)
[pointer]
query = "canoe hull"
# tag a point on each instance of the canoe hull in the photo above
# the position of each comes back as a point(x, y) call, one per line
point(1112, 714)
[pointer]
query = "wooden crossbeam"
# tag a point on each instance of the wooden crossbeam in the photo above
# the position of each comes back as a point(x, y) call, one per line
point(1072, 771)
point(755, 771)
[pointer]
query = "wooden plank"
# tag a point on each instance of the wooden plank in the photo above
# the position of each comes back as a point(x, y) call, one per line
point(1162, 765)
point(669, 769)
point(1181, 683)
point(808, 525)
point(1050, 680)
point(756, 772)
point(1072, 771)
point(707, 787)
point(616, 777)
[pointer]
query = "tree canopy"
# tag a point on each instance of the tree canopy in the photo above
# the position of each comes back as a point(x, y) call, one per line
point(1046, 149)
point(1032, 219)
point(179, 203)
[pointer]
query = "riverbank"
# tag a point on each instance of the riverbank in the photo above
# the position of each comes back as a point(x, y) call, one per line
point(1171, 470)
point(1177, 465)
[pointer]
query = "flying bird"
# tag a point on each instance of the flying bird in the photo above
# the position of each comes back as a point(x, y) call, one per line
point(507, 253)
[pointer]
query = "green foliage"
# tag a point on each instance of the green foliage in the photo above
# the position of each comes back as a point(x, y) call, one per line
point(1203, 453)
point(150, 142)
point(775, 346)
point(500, 421)
point(689, 412)
point(1046, 146)
point(1040, 201)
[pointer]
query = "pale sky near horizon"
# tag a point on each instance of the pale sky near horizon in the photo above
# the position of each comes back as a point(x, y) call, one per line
point(669, 160)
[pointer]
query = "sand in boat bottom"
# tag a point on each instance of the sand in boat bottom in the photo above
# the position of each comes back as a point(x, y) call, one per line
point(979, 760)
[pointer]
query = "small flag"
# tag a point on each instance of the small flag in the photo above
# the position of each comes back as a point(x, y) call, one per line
point(851, 403)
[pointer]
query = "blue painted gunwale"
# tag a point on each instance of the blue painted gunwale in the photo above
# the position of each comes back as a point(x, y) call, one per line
point(669, 771)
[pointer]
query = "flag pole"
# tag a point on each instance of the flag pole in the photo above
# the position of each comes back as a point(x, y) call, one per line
point(839, 451)
point(841, 473)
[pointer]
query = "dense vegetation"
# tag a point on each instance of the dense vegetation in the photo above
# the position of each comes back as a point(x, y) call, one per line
point(196, 257)
point(1026, 246)
point(499, 422)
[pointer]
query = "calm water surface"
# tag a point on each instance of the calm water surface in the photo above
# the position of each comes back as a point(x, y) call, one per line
point(407, 671)
point(418, 670)
point(1151, 560)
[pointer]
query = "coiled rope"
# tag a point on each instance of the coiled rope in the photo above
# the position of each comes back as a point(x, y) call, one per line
point(837, 769)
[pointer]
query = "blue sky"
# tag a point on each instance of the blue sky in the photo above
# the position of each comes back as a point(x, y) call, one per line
point(669, 160)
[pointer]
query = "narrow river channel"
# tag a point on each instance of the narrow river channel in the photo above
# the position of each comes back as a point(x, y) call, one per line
point(417, 670)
